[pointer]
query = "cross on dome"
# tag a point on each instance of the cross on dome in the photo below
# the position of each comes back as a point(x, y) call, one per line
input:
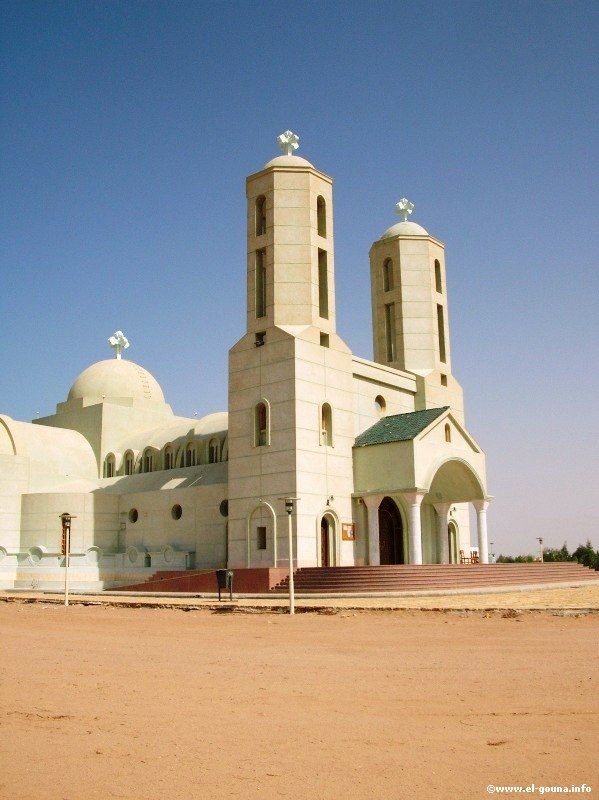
point(119, 342)
point(404, 208)
point(288, 142)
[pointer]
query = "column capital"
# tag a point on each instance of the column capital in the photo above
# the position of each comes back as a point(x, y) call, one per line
point(372, 501)
point(414, 497)
point(482, 504)
point(442, 508)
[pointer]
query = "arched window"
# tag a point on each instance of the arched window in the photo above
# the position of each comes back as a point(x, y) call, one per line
point(190, 455)
point(148, 461)
point(380, 405)
point(447, 433)
point(129, 462)
point(261, 424)
point(109, 466)
point(387, 275)
point(213, 451)
point(169, 458)
point(326, 425)
point(321, 215)
point(260, 215)
point(438, 284)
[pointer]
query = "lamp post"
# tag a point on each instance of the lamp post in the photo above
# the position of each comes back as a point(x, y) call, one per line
point(289, 509)
point(540, 541)
point(65, 549)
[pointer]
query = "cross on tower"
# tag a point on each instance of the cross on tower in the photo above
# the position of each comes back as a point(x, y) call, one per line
point(119, 342)
point(288, 142)
point(404, 208)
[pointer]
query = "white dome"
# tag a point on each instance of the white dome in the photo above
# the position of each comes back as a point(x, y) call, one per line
point(116, 377)
point(404, 229)
point(288, 161)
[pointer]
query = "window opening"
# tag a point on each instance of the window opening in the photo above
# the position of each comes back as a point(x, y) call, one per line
point(447, 433)
point(323, 285)
point(260, 215)
point(390, 331)
point(213, 449)
point(387, 275)
point(438, 284)
point(321, 215)
point(261, 537)
point(260, 283)
point(260, 424)
point(326, 424)
point(441, 330)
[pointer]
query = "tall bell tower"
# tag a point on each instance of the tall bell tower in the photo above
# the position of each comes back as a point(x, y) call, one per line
point(409, 310)
point(290, 391)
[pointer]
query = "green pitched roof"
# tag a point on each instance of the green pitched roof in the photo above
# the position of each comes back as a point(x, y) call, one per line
point(399, 427)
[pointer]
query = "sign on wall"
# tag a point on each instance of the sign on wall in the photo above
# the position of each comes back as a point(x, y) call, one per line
point(348, 531)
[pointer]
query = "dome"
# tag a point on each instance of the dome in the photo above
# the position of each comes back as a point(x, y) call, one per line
point(288, 161)
point(404, 229)
point(116, 377)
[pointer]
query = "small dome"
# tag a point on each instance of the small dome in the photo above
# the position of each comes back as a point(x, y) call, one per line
point(116, 377)
point(404, 229)
point(288, 161)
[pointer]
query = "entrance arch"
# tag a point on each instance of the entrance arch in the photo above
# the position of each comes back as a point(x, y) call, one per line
point(391, 542)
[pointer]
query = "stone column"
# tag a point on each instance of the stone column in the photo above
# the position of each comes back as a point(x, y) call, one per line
point(414, 500)
point(442, 510)
point(481, 524)
point(372, 503)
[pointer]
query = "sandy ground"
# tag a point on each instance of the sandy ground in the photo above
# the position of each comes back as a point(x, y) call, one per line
point(142, 703)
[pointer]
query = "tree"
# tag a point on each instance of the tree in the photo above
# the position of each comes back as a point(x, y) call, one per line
point(587, 555)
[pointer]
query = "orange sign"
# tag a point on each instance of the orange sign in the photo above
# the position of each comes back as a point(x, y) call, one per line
point(348, 531)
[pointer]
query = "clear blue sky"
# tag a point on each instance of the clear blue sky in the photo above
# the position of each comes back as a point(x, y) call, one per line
point(128, 129)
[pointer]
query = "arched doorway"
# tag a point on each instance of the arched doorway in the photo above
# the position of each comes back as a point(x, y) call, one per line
point(325, 542)
point(390, 533)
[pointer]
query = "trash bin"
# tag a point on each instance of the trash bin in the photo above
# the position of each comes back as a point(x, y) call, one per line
point(224, 578)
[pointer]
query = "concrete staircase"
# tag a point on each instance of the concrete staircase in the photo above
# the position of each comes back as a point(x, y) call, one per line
point(411, 578)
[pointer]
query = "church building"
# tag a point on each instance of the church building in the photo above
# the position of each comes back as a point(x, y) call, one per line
point(372, 457)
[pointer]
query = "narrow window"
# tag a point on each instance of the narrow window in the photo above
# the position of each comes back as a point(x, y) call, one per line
point(168, 458)
point(321, 215)
point(190, 455)
point(213, 449)
point(390, 331)
point(260, 283)
point(326, 425)
point(447, 433)
point(129, 463)
point(323, 285)
point(324, 340)
point(261, 537)
point(438, 284)
point(443, 380)
point(260, 215)
point(387, 275)
point(441, 331)
point(260, 339)
point(148, 462)
point(260, 425)
point(109, 467)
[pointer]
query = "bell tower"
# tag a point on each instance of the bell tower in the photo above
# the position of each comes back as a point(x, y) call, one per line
point(409, 310)
point(290, 244)
point(290, 376)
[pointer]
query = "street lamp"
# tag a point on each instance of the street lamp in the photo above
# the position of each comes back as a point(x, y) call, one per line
point(65, 549)
point(540, 541)
point(289, 503)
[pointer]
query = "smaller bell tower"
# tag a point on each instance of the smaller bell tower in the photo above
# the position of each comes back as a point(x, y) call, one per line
point(409, 310)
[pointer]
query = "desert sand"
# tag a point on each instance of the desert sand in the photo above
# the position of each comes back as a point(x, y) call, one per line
point(154, 702)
